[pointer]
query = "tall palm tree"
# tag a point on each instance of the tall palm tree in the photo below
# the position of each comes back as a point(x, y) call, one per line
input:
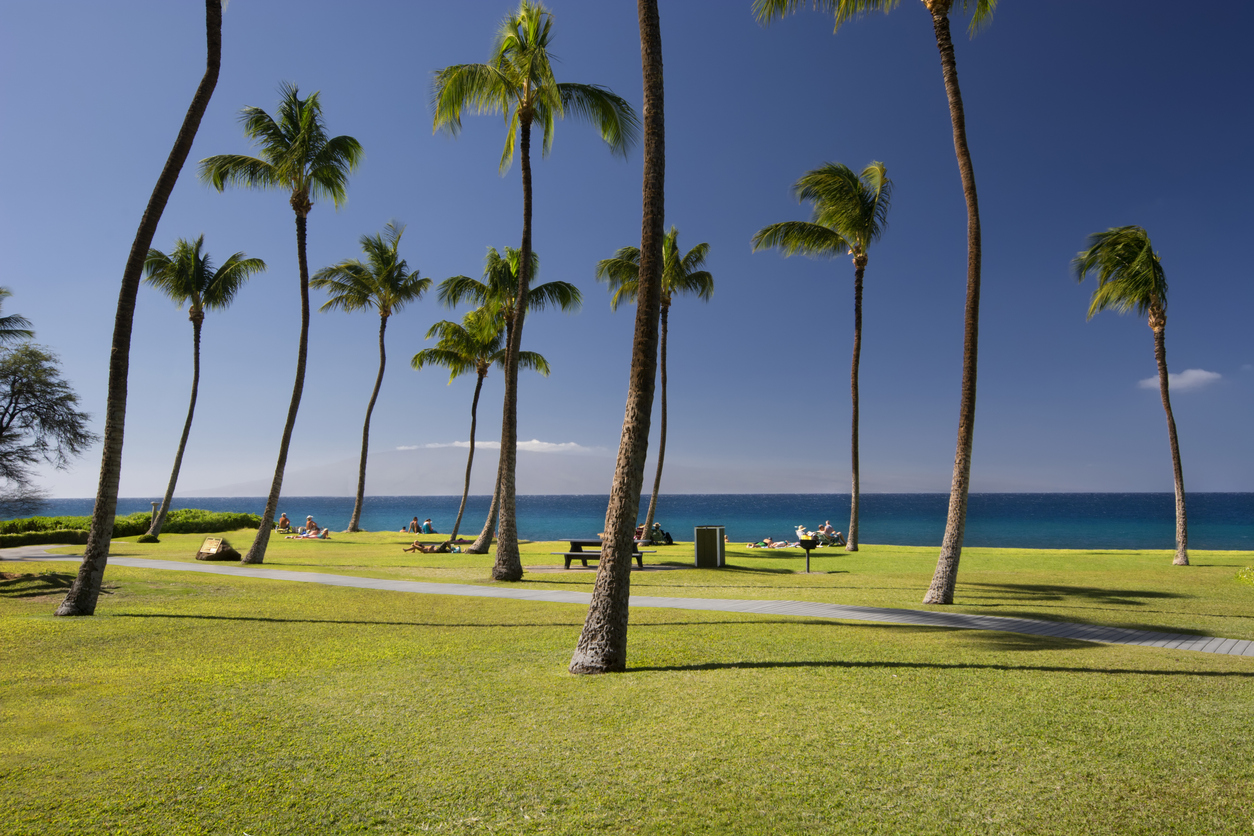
point(680, 274)
point(498, 295)
point(296, 156)
point(1130, 277)
point(945, 577)
point(187, 276)
point(850, 211)
point(85, 591)
point(518, 82)
point(602, 646)
point(475, 345)
point(14, 327)
point(384, 285)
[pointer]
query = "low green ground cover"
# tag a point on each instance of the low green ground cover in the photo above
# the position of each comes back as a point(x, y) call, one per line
point(41, 530)
point(224, 705)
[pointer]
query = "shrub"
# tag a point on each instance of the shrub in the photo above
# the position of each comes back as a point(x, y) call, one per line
point(61, 536)
point(147, 538)
point(43, 530)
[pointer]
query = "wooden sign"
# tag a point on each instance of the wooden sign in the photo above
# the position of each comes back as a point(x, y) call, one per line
point(211, 545)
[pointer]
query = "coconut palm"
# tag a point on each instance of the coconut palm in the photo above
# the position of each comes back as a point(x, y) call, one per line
point(14, 327)
point(186, 275)
point(497, 294)
point(383, 284)
point(680, 274)
point(518, 82)
point(945, 577)
point(850, 211)
point(85, 591)
point(602, 646)
point(1130, 277)
point(475, 345)
point(296, 156)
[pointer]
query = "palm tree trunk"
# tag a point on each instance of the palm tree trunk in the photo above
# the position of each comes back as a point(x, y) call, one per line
point(859, 261)
point(257, 553)
point(661, 441)
point(470, 458)
point(508, 565)
point(159, 520)
point(602, 645)
point(946, 575)
point(365, 431)
point(1182, 523)
point(83, 594)
point(484, 541)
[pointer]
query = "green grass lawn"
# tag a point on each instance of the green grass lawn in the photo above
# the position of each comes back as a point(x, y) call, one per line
point(207, 704)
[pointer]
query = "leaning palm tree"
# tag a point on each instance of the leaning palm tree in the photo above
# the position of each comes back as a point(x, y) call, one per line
point(518, 82)
point(296, 156)
point(680, 274)
point(475, 345)
point(85, 591)
point(186, 275)
point(602, 646)
point(945, 577)
point(498, 295)
point(1130, 277)
point(14, 327)
point(384, 284)
point(850, 212)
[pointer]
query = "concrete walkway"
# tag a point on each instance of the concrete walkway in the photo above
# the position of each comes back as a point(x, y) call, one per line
point(810, 609)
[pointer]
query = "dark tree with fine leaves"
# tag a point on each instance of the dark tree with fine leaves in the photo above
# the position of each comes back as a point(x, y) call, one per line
point(602, 646)
point(384, 284)
point(85, 591)
point(299, 158)
point(945, 577)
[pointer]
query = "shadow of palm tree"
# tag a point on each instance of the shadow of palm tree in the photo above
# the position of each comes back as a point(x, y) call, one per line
point(1058, 592)
point(943, 666)
point(34, 586)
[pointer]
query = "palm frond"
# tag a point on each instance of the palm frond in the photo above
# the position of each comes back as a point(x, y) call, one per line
point(844, 11)
point(561, 295)
point(793, 237)
point(1130, 276)
point(607, 111)
point(477, 88)
point(13, 327)
point(533, 360)
point(238, 170)
point(457, 289)
point(330, 166)
point(228, 279)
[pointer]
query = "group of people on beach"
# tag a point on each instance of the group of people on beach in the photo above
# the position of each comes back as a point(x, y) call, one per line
point(826, 535)
point(415, 527)
point(309, 531)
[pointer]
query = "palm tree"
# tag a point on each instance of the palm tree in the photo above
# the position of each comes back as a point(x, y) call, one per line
point(1130, 277)
point(602, 646)
point(384, 285)
point(945, 577)
point(187, 276)
point(473, 346)
point(518, 82)
point(680, 274)
point(85, 591)
point(498, 294)
point(14, 327)
point(298, 157)
point(850, 212)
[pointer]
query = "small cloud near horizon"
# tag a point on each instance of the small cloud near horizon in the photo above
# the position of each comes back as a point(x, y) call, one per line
point(1248, 367)
point(534, 446)
point(1185, 381)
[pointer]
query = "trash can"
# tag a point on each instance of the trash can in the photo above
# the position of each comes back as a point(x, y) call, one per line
point(708, 543)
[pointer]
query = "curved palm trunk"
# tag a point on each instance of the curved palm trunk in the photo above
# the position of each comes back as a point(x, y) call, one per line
point(508, 566)
point(859, 262)
point(602, 645)
point(661, 441)
point(946, 575)
point(1158, 320)
point(83, 594)
point(257, 553)
point(365, 431)
point(470, 459)
point(159, 520)
point(484, 541)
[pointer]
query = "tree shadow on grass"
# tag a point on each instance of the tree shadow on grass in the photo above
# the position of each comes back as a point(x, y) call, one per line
point(955, 666)
point(34, 586)
point(1034, 592)
point(749, 621)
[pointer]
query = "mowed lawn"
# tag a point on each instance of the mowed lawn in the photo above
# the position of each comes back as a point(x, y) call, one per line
point(198, 703)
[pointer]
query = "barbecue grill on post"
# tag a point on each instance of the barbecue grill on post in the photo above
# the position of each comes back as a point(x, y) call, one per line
point(807, 545)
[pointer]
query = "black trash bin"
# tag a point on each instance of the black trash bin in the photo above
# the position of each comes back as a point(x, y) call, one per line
point(709, 547)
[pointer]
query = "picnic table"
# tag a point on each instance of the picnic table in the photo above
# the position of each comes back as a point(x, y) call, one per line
point(577, 552)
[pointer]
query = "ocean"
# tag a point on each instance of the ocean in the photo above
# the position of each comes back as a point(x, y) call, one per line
point(1035, 520)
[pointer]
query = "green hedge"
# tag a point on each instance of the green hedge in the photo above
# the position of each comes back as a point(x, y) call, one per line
point(73, 530)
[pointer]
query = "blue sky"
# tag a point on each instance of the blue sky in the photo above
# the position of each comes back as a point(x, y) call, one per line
point(1081, 116)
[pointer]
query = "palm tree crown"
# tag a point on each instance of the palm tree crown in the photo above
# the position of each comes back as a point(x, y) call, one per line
point(680, 273)
point(474, 345)
point(518, 82)
point(1129, 273)
point(13, 327)
point(498, 292)
point(295, 154)
point(186, 275)
point(847, 10)
point(850, 212)
point(383, 283)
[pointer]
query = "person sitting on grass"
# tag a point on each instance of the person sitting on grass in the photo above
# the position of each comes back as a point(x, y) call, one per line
point(414, 528)
point(427, 527)
point(284, 524)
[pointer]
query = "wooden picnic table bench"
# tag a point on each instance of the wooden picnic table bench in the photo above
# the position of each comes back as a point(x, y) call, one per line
point(577, 552)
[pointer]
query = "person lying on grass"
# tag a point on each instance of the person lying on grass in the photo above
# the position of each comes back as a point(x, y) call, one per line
point(311, 534)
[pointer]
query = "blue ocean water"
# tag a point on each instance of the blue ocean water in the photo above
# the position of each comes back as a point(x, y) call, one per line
point(1040, 520)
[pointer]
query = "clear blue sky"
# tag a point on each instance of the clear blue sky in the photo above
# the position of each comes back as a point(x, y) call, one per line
point(1081, 116)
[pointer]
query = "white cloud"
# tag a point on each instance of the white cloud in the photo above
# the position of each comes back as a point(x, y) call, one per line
point(1248, 367)
point(1185, 381)
point(534, 446)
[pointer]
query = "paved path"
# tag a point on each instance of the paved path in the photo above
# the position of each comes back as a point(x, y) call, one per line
point(811, 609)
